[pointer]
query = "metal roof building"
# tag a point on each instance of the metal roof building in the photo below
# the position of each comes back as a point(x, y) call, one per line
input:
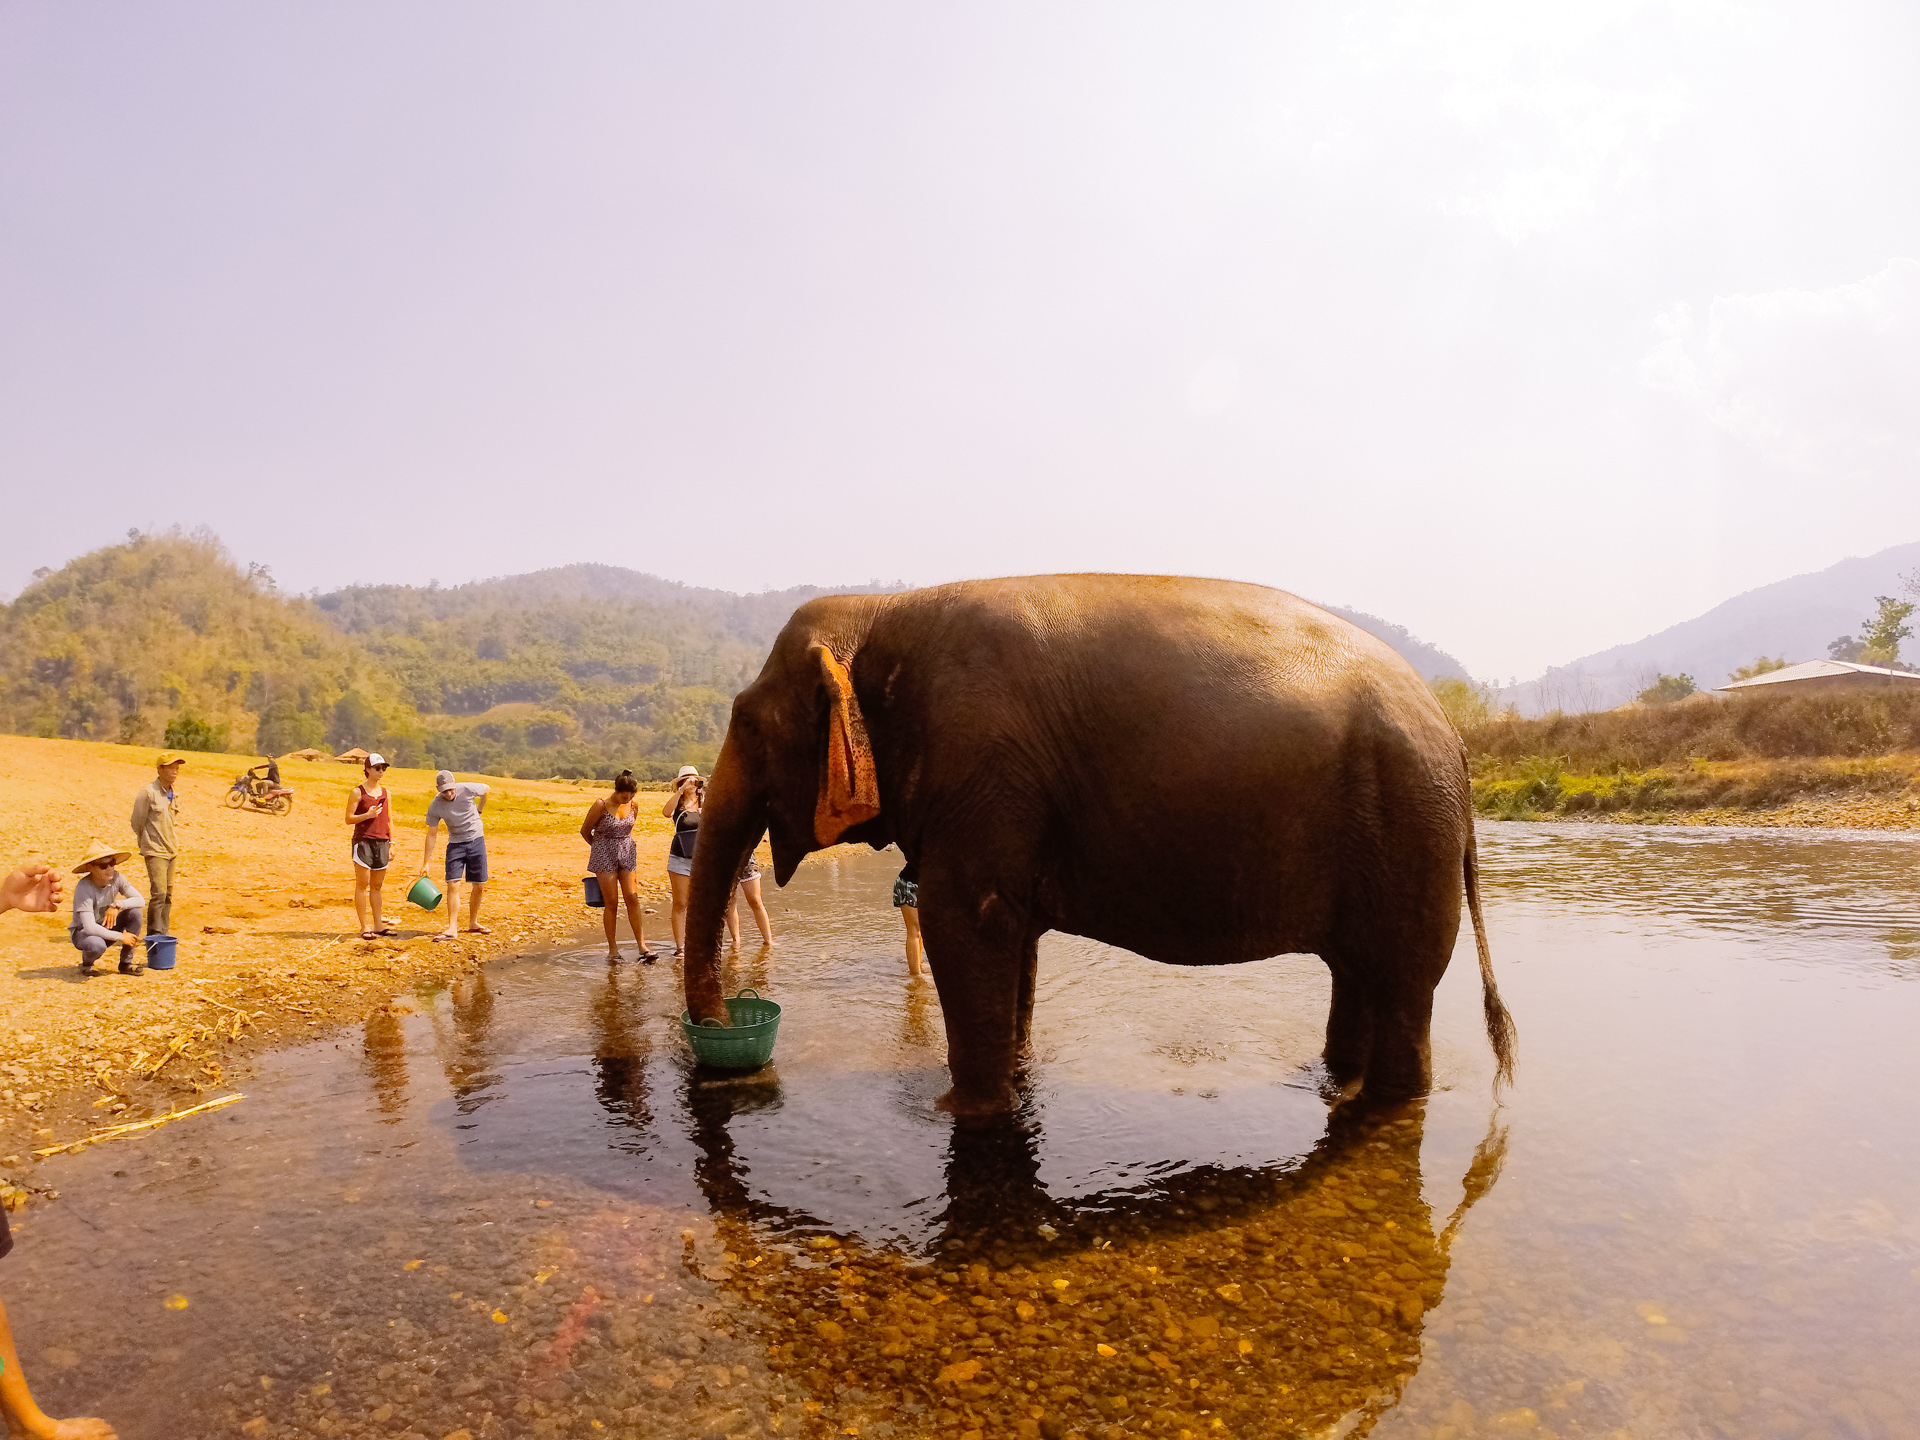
point(1823, 677)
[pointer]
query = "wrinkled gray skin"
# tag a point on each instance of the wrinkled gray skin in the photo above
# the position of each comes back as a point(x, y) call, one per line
point(1199, 771)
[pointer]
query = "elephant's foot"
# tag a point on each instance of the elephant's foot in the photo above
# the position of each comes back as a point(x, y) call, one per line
point(1395, 1088)
point(1336, 1091)
point(1344, 1066)
point(992, 1104)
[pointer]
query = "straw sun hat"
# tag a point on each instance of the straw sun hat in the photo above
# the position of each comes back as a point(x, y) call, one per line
point(101, 851)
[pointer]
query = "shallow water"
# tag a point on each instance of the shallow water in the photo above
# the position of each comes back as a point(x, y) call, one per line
point(516, 1208)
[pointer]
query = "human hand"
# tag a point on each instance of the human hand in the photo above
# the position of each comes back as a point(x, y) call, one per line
point(34, 887)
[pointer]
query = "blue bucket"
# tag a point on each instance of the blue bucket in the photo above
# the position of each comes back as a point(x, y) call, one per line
point(160, 952)
point(594, 898)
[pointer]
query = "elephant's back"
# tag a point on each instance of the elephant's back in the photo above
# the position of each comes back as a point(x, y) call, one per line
point(1230, 741)
point(1180, 640)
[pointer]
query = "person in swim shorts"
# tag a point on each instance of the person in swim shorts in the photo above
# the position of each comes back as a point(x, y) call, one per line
point(459, 806)
point(906, 899)
point(370, 812)
point(683, 808)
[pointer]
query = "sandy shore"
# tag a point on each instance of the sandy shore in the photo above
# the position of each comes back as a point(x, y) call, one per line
point(1898, 813)
point(269, 944)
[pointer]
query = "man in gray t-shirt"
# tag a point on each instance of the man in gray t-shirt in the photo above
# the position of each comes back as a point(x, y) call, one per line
point(458, 806)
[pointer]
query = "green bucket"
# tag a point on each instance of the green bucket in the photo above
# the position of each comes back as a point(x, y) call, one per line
point(746, 1044)
point(424, 893)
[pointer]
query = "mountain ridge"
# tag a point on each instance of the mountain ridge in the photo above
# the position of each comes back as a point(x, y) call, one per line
point(1793, 619)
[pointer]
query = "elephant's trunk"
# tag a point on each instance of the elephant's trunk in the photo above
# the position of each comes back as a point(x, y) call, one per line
point(732, 820)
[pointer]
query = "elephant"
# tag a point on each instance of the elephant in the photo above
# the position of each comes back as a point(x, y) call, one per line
point(1203, 772)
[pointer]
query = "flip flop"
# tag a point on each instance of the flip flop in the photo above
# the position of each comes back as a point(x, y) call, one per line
point(443, 936)
point(388, 931)
point(478, 930)
point(369, 934)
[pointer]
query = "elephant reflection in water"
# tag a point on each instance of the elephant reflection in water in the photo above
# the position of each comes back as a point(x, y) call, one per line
point(1232, 1301)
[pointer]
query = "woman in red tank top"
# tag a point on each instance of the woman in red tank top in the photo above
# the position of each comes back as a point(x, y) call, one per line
point(370, 812)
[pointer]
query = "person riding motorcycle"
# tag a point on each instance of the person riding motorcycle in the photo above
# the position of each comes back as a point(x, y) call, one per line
point(263, 780)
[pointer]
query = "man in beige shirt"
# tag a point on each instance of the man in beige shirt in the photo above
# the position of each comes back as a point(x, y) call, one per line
point(153, 811)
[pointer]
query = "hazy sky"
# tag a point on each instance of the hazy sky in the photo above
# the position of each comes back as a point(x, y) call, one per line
point(1533, 327)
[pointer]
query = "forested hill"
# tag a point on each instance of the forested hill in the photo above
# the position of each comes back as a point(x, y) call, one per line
point(579, 670)
point(462, 649)
point(1430, 661)
point(574, 671)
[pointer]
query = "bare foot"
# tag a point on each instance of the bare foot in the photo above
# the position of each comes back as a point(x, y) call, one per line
point(614, 953)
point(76, 1430)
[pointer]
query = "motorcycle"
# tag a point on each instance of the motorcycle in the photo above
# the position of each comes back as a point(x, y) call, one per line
point(252, 793)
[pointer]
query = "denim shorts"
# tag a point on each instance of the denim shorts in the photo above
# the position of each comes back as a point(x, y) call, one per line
point(678, 864)
point(467, 860)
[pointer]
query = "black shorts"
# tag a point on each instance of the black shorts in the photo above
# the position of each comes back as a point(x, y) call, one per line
point(372, 854)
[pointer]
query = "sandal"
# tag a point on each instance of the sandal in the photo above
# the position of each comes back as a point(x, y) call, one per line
point(369, 935)
point(388, 930)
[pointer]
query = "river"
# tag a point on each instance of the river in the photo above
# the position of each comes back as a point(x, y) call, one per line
point(513, 1206)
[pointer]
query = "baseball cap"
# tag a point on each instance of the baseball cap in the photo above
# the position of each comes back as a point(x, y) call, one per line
point(169, 758)
point(443, 780)
point(376, 759)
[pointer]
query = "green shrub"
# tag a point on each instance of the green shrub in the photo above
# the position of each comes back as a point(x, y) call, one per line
point(1667, 689)
point(190, 732)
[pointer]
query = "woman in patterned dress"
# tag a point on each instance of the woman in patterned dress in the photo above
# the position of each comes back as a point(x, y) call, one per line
point(608, 830)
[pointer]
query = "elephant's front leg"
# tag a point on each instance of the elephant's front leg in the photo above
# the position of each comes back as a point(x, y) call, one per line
point(982, 956)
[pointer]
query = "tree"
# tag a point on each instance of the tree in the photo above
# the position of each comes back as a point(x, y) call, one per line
point(285, 726)
point(190, 732)
point(1762, 666)
point(355, 722)
point(1881, 634)
point(1465, 703)
point(1667, 689)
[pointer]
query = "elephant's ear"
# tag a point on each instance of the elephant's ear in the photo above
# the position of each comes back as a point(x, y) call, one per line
point(849, 789)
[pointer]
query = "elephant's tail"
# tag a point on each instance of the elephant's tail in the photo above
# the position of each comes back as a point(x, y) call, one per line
point(1500, 1029)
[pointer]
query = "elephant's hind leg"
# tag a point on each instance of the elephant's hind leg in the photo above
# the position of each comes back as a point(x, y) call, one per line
point(1400, 1062)
point(1349, 1024)
point(1377, 1027)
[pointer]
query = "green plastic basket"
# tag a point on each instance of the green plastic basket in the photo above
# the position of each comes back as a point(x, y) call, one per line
point(746, 1044)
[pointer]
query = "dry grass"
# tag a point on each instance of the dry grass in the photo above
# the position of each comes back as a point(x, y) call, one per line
point(1738, 758)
